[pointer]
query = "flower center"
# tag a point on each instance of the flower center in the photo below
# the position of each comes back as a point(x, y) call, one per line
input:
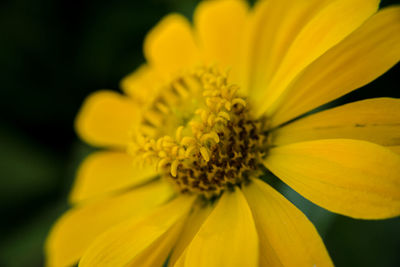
point(200, 134)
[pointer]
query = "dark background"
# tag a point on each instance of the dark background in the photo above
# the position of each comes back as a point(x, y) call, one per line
point(53, 54)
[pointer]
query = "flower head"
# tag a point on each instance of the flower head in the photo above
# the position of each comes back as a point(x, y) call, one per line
point(216, 107)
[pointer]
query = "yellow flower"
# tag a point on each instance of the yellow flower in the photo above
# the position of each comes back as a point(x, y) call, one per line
point(213, 109)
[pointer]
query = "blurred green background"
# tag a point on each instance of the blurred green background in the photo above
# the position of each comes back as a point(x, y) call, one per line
point(53, 54)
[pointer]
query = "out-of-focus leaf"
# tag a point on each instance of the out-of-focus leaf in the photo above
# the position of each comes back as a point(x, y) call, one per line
point(24, 247)
point(364, 243)
point(26, 168)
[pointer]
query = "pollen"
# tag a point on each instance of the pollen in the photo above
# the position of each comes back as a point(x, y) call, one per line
point(200, 135)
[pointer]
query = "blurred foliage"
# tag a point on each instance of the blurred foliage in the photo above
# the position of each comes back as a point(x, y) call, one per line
point(53, 54)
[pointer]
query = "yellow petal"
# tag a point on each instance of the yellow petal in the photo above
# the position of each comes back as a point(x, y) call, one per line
point(279, 27)
point(124, 244)
point(142, 84)
point(331, 24)
point(395, 149)
point(287, 237)
point(376, 120)
point(351, 177)
point(359, 59)
point(105, 172)
point(270, 33)
point(106, 119)
point(157, 253)
point(227, 238)
point(170, 47)
point(274, 25)
point(192, 226)
point(80, 226)
point(220, 26)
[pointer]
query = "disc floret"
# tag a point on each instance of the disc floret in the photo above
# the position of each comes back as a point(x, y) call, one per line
point(200, 134)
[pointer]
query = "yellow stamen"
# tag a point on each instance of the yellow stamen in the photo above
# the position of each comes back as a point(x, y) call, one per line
point(174, 167)
point(205, 154)
point(200, 135)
